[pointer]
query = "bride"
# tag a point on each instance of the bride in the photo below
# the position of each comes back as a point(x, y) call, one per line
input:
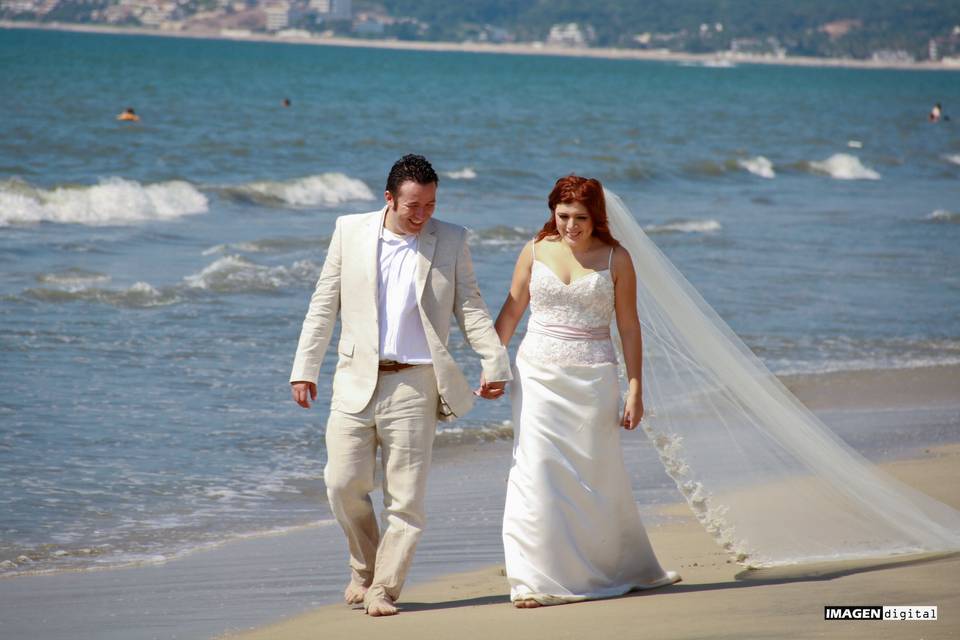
point(571, 530)
point(764, 476)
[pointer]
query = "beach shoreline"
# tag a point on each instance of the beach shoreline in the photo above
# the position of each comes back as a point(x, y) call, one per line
point(249, 584)
point(520, 49)
point(716, 599)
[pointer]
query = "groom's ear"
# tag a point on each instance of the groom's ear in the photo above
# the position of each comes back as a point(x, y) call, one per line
point(388, 197)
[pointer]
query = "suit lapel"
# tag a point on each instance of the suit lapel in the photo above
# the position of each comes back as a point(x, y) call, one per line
point(371, 255)
point(425, 248)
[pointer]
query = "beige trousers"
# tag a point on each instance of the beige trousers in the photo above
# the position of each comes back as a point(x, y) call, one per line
point(402, 419)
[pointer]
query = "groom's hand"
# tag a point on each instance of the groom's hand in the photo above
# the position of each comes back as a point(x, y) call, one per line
point(303, 392)
point(490, 390)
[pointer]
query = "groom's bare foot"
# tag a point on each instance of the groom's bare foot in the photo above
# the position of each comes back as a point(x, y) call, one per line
point(381, 606)
point(526, 604)
point(354, 593)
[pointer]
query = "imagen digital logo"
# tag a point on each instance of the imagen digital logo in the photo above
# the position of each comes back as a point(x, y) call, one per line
point(885, 613)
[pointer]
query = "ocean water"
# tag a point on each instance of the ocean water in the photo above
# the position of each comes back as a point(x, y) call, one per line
point(153, 275)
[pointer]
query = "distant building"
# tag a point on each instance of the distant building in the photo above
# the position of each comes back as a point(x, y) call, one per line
point(892, 55)
point(839, 28)
point(278, 16)
point(293, 33)
point(494, 34)
point(570, 35)
point(932, 52)
point(332, 9)
point(369, 25)
point(758, 47)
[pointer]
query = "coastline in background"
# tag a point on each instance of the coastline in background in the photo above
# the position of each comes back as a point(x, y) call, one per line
point(534, 49)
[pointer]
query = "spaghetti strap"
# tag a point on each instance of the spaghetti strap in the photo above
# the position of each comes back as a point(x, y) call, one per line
point(610, 261)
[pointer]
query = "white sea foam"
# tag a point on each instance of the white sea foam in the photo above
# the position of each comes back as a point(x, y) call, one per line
point(270, 245)
point(73, 279)
point(854, 144)
point(113, 201)
point(759, 166)
point(876, 363)
point(685, 226)
point(952, 157)
point(843, 166)
point(137, 295)
point(236, 274)
point(500, 236)
point(942, 215)
point(452, 436)
point(467, 173)
point(325, 189)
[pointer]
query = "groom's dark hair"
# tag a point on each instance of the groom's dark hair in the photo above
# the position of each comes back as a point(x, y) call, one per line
point(410, 167)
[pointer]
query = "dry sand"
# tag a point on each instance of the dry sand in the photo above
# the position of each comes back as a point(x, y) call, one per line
point(716, 599)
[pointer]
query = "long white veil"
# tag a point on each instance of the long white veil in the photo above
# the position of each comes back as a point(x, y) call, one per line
point(768, 480)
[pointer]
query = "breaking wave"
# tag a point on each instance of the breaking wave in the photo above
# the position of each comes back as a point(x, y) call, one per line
point(452, 436)
point(325, 189)
point(943, 216)
point(231, 274)
point(271, 245)
point(843, 166)
point(952, 157)
point(113, 201)
point(759, 166)
point(500, 236)
point(467, 173)
point(684, 226)
point(137, 295)
point(235, 274)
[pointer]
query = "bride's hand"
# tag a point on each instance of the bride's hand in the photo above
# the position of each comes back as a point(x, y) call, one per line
point(632, 411)
point(489, 390)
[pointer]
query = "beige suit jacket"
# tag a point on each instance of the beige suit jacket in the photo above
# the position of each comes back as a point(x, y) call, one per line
point(348, 285)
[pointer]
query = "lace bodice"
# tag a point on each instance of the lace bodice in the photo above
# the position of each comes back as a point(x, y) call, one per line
point(569, 323)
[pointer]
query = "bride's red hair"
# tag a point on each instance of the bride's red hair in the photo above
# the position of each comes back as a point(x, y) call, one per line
point(589, 193)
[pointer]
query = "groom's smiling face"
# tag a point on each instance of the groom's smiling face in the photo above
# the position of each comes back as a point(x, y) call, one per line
point(411, 208)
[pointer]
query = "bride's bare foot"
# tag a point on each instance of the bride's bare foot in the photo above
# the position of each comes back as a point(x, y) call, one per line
point(526, 604)
point(354, 593)
point(381, 606)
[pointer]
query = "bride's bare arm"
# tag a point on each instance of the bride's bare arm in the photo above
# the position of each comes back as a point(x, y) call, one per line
point(625, 300)
point(517, 298)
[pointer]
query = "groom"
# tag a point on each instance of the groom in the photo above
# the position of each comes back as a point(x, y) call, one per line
point(395, 276)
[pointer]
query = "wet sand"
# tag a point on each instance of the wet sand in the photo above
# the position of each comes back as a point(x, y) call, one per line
point(907, 419)
point(717, 599)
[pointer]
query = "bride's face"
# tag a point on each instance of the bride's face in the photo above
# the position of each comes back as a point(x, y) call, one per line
point(574, 224)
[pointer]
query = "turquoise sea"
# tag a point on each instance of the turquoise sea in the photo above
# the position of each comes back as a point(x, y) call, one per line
point(153, 275)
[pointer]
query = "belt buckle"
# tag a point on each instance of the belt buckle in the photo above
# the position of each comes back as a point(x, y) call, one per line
point(391, 366)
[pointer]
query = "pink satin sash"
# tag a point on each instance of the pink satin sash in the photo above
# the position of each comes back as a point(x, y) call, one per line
point(565, 332)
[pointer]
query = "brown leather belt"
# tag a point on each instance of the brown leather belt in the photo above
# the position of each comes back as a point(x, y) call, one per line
point(392, 366)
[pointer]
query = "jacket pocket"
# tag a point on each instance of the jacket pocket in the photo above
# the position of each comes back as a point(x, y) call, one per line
point(345, 348)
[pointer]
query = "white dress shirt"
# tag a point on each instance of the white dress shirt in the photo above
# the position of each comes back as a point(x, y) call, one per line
point(401, 329)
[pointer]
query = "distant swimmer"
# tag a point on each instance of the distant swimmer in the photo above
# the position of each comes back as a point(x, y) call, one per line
point(937, 114)
point(286, 102)
point(129, 115)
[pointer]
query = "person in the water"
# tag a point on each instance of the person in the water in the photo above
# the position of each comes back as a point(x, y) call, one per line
point(129, 115)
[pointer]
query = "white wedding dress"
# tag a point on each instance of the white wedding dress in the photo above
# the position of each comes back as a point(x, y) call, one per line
point(764, 476)
point(571, 529)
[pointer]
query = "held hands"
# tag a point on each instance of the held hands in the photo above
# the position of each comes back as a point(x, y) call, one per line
point(300, 392)
point(632, 411)
point(490, 390)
